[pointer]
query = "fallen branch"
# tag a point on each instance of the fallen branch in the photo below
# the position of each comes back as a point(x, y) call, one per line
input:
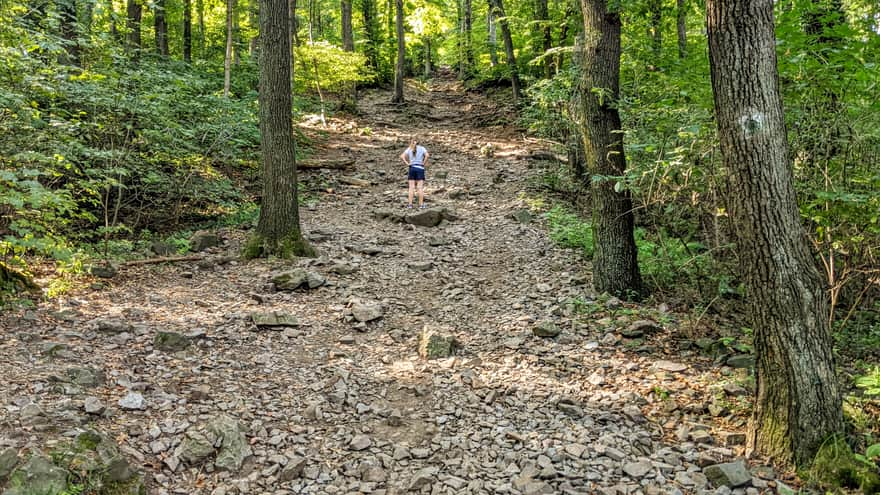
point(163, 259)
point(334, 163)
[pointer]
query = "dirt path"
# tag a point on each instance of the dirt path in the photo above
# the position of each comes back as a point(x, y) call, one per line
point(337, 406)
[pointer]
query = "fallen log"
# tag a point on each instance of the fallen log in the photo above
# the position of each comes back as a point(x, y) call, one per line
point(354, 181)
point(334, 163)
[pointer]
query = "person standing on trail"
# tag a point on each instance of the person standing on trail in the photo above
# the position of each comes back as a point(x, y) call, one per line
point(416, 158)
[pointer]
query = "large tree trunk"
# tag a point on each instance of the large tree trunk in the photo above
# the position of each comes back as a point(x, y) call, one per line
point(681, 27)
point(161, 28)
point(401, 54)
point(615, 265)
point(134, 12)
point(468, 37)
point(498, 7)
point(492, 39)
point(187, 30)
point(227, 60)
point(294, 28)
point(798, 400)
point(278, 229)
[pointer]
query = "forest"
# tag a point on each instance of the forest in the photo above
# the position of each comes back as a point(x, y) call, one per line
point(717, 159)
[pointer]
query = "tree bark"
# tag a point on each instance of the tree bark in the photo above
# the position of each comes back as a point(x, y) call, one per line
point(371, 48)
point(542, 15)
point(187, 30)
point(498, 7)
point(294, 27)
point(254, 20)
point(468, 37)
point(798, 404)
point(492, 40)
point(681, 27)
point(200, 6)
point(134, 12)
point(350, 98)
point(278, 229)
point(227, 60)
point(160, 27)
point(615, 265)
point(401, 54)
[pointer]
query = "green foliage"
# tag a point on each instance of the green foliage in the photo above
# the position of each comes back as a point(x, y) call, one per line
point(328, 65)
point(870, 382)
point(568, 230)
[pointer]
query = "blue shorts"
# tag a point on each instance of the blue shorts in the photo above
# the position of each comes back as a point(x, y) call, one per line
point(416, 172)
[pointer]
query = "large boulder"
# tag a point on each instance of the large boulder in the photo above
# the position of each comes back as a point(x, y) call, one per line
point(38, 475)
point(730, 474)
point(222, 435)
point(202, 240)
point(8, 461)
point(430, 217)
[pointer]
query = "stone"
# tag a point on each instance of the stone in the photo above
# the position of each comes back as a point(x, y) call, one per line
point(162, 248)
point(422, 478)
point(669, 366)
point(733, 439)
point(8, 461)
point(274, 319)
point(741, 361)
point(420, 266)
point(637, 469)
point(434, 345)
point(84, 376)
point(170, 341)
point(341, 268)
point(194, 448)
point(234, 447)
point(360, 442)
point(98, 454)
point(366, 312)
point(700, 436)
point(523, 216)
point(639, 328)
point(730, 474)
point(298, 279)
point(93, 405)
point(430, 217)
point(32, 414)
point(783, 489)
point(37, 476)
point(546, 329)
point(112, 326)
point(103, 270)
point(294, 468)
point(734, 390)
point(202, 240)
point(133, 401)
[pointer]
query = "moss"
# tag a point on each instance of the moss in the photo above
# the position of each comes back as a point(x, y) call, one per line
point(835, 466)
point(290, 246)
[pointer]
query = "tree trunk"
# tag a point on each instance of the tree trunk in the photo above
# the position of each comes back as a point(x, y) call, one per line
point(236, 35)
point(468, 37)
point(187, 30)
point(371, 48)
point(294, 28)
point(401, 54)
point(542, 15)
point(160, 28)
point(350, 98)
point(427, 57)
point(278, 229)
point(227, 61)
point(798, 401)
point(615, 265)
point(133, 23)
point(498, 7)
point(200, 6)
point(254, 20)
point(655, 8)
point(492, 39)
point(67, 17)
point(681, 27)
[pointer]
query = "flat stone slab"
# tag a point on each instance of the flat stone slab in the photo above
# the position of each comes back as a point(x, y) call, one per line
point(274, 319)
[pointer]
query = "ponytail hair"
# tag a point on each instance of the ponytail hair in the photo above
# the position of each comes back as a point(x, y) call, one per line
point(413, 144)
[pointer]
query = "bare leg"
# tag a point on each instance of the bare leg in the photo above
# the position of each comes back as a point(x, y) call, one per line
point(421, 184)
point(412, 189)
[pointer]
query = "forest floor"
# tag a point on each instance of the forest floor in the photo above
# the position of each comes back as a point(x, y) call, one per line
point(620, 402)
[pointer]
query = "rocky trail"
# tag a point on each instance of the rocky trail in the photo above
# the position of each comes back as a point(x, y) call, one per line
point(334, 375)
